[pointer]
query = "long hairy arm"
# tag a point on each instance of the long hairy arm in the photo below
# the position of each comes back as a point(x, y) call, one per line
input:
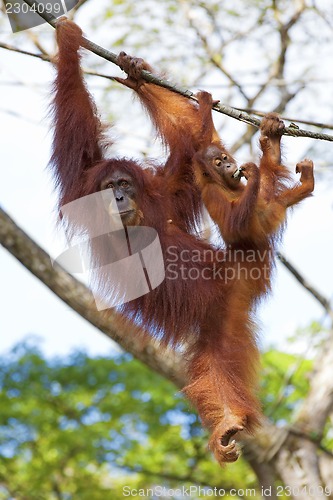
point(77, 140)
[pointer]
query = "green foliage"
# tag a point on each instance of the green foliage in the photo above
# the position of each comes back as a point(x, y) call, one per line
point(284, 384)
point(82, 428)
point(86, 427)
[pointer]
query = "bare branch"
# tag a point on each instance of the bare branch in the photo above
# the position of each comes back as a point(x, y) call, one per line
point(221, 108)
point(217, 62)
point(48, 58)
point(43, 57)
point(317, 295)
point(293, 120)
point(245, 138)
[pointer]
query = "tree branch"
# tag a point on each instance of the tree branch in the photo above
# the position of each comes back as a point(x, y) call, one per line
point(320, 395)
point(221, 108)
point(317, 295)
point(79, 298)
point(213, 57)
point(305, 122)
point(43, 57)
point(48, 58)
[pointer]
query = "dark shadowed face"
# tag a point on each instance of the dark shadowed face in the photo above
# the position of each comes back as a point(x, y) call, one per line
point(125, 194)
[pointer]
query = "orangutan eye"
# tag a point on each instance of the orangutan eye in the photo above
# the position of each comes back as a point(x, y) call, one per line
point(224, 157)
point(218, 162)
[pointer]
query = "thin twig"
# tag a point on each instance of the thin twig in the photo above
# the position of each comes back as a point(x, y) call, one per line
point(43, 57)
point(221, 108)
point(317, 295)
point(48, 58)
point(292, 120)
